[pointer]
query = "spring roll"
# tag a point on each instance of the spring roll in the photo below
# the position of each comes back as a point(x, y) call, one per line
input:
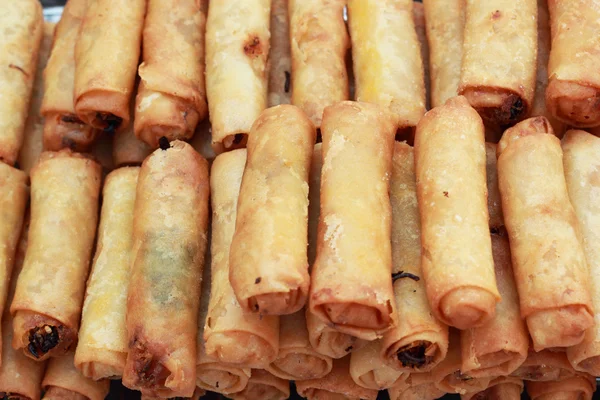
point(107, 53)
point(202, 141)
point(573, 87)
point(22, 24)
point(264, 385)
point(268, 258)
point(387, 58)
point(420, 341)
point(368, 370)
point(63, 381)
point(426, 391)
point(231, 335)
point(457, 266)
point(337, 385)
point(280, 70)
point(102, 347)
point(171, 98)
point(501, 388)
point(421, 29)
point(170, 225)
point(580, 154)
point(544, 366)
point(319, 42)
point(549, 263)
point(498, 71)
point(578, 387)
point(237, 49)
point(65, 188)
point(493, 192)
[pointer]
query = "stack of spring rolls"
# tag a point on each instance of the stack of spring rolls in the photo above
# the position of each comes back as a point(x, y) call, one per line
point(233, 196)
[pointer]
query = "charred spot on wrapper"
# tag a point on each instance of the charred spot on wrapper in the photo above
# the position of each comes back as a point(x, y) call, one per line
point(110, 122)
point(413, 355)
point(288, 78)
point(42, 340)
point(445, 194)
point(402, 274)
point(150, 371)
point(516, 109)
point(348, 349)
point(68, 143)
point(257, 280)
point(17, 165)
point(252, 46)
point(237, 139)
point(70, 119)
point(163, 143)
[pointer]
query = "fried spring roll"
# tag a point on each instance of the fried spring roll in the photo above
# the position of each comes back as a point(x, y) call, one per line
point(501, 388)
point(580, 162)
point(65, 187)
point(107, 53)
point(102, 346)
point(63, 381)
point(268, 258)
point(280, 71)
point(171, 98)
point(231, 335)
point(498, 71)
point(170, 225)
point(264, 385)
point(425, 391)
point(445, 26)
point(368, 370)
point(387, 58)
point(549, 263)
point(22, 24)
point(544, 366)
point(237, 49)
point(578, 387)
point(456, 248)
point(319, 42)
point(198, 393)
point(493, 192)
point(420, 341)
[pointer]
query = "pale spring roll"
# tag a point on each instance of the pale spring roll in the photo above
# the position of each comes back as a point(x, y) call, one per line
point(368, 369)
point(128, 149)
point(65, 188)
point(231, 335)
point(420, 341)
point(549, 263)
point(280, 59)
point(62, 126)
point(297, 359)
point(421, 29)
point(170, 225)
point(573, 87)
point(319, 42)
point(493, 192)
point(387, 58)
point(451, 188)
point(544, 366)
point(22, 26)
point(63, 381)
point(337, 385)
point(106, 59)
point(202, 141)
point(578, 387)
point(499, 58)
point(501, 388)
point(171, 98)
point(264, 386)
point(351, 286)
point(268, 258)
point(580, 162)
point(237, 49)
point(102, 346)
point(445, 26)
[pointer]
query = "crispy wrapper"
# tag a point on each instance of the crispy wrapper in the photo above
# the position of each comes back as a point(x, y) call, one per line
point(65, 187)
point(368, 370)
point(107, 53)
point(451, 188)
point(232, 336)
point(264, 385)
point(102, 347)
point(171, 98)
point(493, 192)
point(268, 258)
point(578, 387)
point(63, 381)
point(387, 58)
point(501, 388)
point(351, 286)
point(420, 341)
point(319, 42)
point(580, 161)
point(499, 58)
point(549, 263)
point(280, 58)
point(337, 385)
point(237, 49)
point(425, 391)
point(421, 29)
point(544, 366)
point(198, 393)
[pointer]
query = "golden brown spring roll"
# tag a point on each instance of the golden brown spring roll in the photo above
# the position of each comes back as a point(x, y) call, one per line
point(337, 385)
point(445, 26)
point(280, 58)
point(170, 225)
point(580, 162)
point(265, 386)
point(549, 263)
point(493, 192)
point(107, 53)
point(268, 258)
point(237, 49)
point(63, 381)
point(578, 387)
point(351, 286)
point(171, 98)
point(65, 187)
point(501, 388)
point(544, 366)
point(102, 346)
point(499, 58)
point(456, 248)
point(387, 58)
point(420, 341)
point(368, 369)
point(231, 335)
point(423, 391)
point(421, 29)
point(319, 42)
point(22, 23)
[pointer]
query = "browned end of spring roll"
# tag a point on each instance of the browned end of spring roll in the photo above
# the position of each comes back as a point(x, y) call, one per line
point(368, 369)
point(263, 385)
point(578, 387)
point(328, 341)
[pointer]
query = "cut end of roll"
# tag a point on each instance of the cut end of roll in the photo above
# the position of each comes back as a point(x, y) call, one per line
point(573, 103)
point(211, 377)
point(336, 344)
point(231, 142)
point(497, 108)
point(418, 355)
point(107, 122)
point(589, 365)
point(467, 308)
point(300, 365)
point(531, 126)
point(561, 327)
point(47, 340)
point(278, 303)
point(363, 321)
